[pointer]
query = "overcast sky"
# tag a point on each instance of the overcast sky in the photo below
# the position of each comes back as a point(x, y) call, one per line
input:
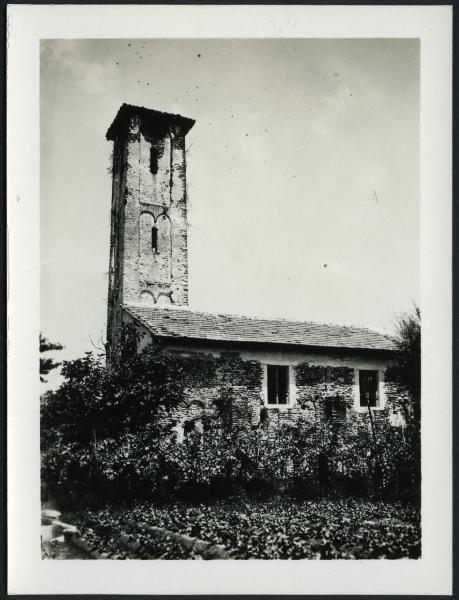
point(303, 175)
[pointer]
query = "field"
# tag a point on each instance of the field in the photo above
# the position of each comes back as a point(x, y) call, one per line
point(283, 529)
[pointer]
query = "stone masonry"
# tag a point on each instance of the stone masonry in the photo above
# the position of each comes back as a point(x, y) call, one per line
point(324, 398)
point(148, 242)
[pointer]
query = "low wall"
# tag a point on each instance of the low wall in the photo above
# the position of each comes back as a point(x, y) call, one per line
point(206, 550)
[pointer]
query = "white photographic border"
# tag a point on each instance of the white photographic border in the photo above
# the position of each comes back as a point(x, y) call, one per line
point(27, 573)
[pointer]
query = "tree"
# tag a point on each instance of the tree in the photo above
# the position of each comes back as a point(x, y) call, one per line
point(47, 364)
point(406, 369)
point(406, 373)
point(101, 430)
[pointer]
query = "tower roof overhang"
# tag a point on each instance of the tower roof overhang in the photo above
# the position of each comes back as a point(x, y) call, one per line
point(151, 119)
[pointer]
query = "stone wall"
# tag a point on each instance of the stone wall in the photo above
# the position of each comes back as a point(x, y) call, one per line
point(325, 397)
point(115, 273)
point(224, 387)
point(159, 276)
point(326, 388)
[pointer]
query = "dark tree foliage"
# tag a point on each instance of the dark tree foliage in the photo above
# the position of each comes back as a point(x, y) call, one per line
point(96, 400)
point(47, 364)
point(406, 372)
point(408, 340)
point(95, 427)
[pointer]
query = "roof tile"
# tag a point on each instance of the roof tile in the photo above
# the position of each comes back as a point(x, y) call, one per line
point(174, 322)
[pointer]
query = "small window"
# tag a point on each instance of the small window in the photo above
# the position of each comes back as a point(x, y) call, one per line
point(368, 384)
point(153, 160)
point(335, 409)
point(278, 385)
point(154, 239)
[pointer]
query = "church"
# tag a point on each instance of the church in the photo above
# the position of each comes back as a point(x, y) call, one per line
point(304, 368)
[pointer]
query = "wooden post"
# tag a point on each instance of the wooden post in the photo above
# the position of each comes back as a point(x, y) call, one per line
point(372, 425)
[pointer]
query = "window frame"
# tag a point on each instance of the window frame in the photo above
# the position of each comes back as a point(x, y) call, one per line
point(291, 385)
point(381, 390)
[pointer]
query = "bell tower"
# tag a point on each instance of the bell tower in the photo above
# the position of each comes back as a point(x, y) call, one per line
point(148, 239)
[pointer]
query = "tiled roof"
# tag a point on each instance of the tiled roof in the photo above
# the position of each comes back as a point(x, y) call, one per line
point(184, 323)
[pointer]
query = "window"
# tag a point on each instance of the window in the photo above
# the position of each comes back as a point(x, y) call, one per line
point(154, 239)
point(335, 409)
point(278, 385)
point(368, 388)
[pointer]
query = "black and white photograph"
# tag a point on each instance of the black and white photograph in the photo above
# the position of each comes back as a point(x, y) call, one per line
point(230, 300)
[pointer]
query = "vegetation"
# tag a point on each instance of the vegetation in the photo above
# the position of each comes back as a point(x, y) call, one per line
point(109, 432)
point(324, 529)
point(47, 364)
point(109, 444)
point(406, 373)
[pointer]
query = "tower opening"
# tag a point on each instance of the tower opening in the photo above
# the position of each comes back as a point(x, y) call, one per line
point(154, 239)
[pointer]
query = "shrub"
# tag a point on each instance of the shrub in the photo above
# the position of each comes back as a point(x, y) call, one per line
point(108, 432)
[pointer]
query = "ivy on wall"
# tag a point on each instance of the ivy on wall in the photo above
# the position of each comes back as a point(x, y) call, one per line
point(201, 370)
point(307, 374)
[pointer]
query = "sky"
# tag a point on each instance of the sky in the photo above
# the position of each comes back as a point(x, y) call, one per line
point(302, 170)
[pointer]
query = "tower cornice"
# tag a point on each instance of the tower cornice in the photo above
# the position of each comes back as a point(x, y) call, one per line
point(151, 120)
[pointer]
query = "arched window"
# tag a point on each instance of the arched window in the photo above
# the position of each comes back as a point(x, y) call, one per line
point(154, 239)
point(155, 248)
point(164, 249)
point(163, 226)
point(146, 226)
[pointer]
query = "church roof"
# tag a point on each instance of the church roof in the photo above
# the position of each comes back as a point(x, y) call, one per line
point(191, 325)
point(149, 118)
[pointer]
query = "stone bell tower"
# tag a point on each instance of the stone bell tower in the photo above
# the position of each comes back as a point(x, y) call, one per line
point(148, 240)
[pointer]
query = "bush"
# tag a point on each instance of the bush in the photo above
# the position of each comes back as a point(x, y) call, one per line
point(108, 432)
